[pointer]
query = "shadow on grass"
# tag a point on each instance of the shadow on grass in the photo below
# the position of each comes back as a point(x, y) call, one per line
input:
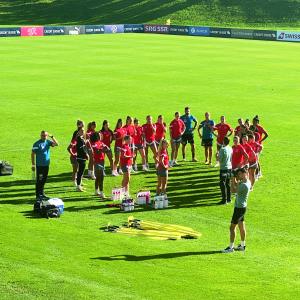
point(127, 257)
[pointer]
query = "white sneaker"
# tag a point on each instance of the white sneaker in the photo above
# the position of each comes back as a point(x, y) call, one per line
point(114, 173)
point(79, 188)
point(120, 172)
point(145, 168)
point(135, 168)
point(101, 195)
point(217, 165)
point(228, 250)
point(97, 193)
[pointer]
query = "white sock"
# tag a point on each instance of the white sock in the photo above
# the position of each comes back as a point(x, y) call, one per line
point(231, 245)
point(243, 243)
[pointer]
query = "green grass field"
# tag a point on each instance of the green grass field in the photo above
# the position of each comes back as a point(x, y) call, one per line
point(49, 82)
point(273, 14)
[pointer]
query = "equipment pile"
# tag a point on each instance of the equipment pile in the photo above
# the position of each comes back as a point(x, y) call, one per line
point(154, 230)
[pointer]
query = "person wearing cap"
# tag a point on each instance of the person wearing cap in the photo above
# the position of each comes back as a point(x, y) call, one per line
point(188, 135)
point(40, 160)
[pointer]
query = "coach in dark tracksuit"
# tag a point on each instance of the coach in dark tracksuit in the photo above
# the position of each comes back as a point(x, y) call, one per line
point(40, 159)
point(225, 156)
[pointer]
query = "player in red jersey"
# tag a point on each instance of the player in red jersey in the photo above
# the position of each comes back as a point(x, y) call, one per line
point(73, 158)
point(161, 129)
point(162, 168)
point(239, 159)
point(261, 136)
point(107, 138)
point(149, 130)
point(129, 127)
point(91, 128)
point(126, 163)
point(98, 148)
point(242, 129)
point(239, 155)
point(255, 127)
point(252, 159)
point(223, 130)
point(177, 128)
point(139, 145)
point(119, 134)
point(257, 148)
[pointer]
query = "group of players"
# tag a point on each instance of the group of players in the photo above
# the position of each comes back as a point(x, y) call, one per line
point(239, 165)
point(132, 139)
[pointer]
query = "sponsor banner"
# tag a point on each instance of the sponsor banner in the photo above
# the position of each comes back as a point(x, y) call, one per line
point(13, 31)
point(32, 31)
point(290, 36)
point(180, 30)
point(94, 29)
point(269, 35)
point(54, 30)
point(113, 28)
point(220, 32)
point(164, 29)
point(242, 33)
point(75, 30)
point(197, 30)
point(138, 28)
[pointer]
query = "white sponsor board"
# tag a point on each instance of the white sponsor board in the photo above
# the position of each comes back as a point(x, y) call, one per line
point(288, 36)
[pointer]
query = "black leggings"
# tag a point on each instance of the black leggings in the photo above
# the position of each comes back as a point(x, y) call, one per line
point(81, 168)
point(225, 184)
point(41, 178)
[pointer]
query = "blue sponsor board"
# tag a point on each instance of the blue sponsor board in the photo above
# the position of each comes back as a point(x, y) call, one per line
point(268, 35)
point(197, 30)
point(162, 29)
point(94, 29)
point(12, 31)
point(54, 30)
point(179, 30)
point(129, 28)
point(220, 32)
point(113, 28)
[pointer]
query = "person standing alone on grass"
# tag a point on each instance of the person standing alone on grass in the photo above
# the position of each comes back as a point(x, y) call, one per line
point(188, 135)
point(207, 127)
point(40, 160)
point(242, 188)
point(225, 155)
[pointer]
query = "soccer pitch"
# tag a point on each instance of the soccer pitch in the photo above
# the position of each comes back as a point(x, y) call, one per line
point(50, 82)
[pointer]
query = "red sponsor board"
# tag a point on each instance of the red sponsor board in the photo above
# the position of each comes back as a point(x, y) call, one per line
point(32, 31)
point(148, 28)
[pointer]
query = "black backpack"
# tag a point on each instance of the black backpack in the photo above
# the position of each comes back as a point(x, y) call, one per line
point(6, 168)
point(46, 211)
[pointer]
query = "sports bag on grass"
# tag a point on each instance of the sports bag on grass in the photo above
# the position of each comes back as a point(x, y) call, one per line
point(51, 208)
point(6, 168)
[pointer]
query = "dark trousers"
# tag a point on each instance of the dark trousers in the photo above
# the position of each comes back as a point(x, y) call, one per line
point(41, 178)
point(225, 176)
point(81, 168)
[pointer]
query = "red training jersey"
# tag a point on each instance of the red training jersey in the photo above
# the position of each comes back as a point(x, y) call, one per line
point(98, 152)
point(130, 130)
point(119, 135)
point(73, 147)
point(126, 156)
point(176, 128)
point(252, 155)
point(160, 131)
point(222, 129)
point(238, 155)
point(107, 136)
point(257, 147)
point(163, 160)
point(149, 132)
point(138, 136)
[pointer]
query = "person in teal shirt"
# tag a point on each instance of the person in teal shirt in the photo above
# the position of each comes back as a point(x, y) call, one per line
point(207, 127)
point(188, 135)
point(242, 188)
point(40, 159)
